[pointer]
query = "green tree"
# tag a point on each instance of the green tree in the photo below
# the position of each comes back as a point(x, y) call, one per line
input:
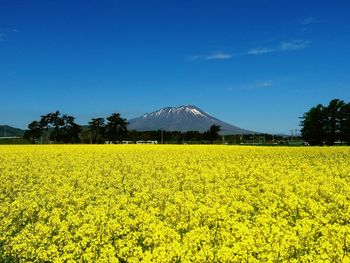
point(116, 128)
point(213, 133)
point(313, 125)
point(70, 130)
point(57, 123)
point(34, 131)
point(51, 123)
point(45, 123)
point(60, 128)
point(332, 121)
point(97, 130)
point(344, 125)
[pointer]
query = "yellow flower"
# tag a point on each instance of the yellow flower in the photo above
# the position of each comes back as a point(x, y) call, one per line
point(137, 203)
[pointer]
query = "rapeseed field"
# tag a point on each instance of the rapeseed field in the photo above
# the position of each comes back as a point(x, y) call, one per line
point(148, 203)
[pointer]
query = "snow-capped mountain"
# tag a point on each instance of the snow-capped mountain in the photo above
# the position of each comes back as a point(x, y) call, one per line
point(183, 118)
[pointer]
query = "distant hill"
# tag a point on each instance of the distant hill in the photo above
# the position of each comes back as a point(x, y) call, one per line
point(183, 118)
point(8, 131)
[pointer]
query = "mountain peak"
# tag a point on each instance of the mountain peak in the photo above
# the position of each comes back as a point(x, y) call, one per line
point(182, 118)
point(190, 106)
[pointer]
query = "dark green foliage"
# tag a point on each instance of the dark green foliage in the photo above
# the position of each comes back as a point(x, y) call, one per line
point(313, 125)
point(344, 123)
point(327, 124)
point(55, 128)
point(34, 131)
point(176, 137)
point(14, 140)
point(50, 124)
point(213, 133)
point(69, 130)
point(116, 128)
point(97, 130)
point(332, 121)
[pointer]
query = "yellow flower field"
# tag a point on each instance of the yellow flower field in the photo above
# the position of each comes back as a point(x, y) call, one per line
point(147, 203)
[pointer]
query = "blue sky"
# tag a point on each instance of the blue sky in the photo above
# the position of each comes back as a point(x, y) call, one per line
point(255, 64)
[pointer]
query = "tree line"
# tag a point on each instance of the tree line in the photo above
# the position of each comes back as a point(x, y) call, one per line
point(327, 125)
point(57, 128)
point(54, 127)
point(177, 137)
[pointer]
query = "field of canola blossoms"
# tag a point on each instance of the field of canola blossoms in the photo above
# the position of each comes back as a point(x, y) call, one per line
point(123, 203)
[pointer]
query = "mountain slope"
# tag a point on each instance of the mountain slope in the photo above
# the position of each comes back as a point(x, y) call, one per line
point(8, 131)
point(183, 118)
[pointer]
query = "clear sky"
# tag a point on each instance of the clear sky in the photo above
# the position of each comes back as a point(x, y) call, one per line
point(256, 64)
